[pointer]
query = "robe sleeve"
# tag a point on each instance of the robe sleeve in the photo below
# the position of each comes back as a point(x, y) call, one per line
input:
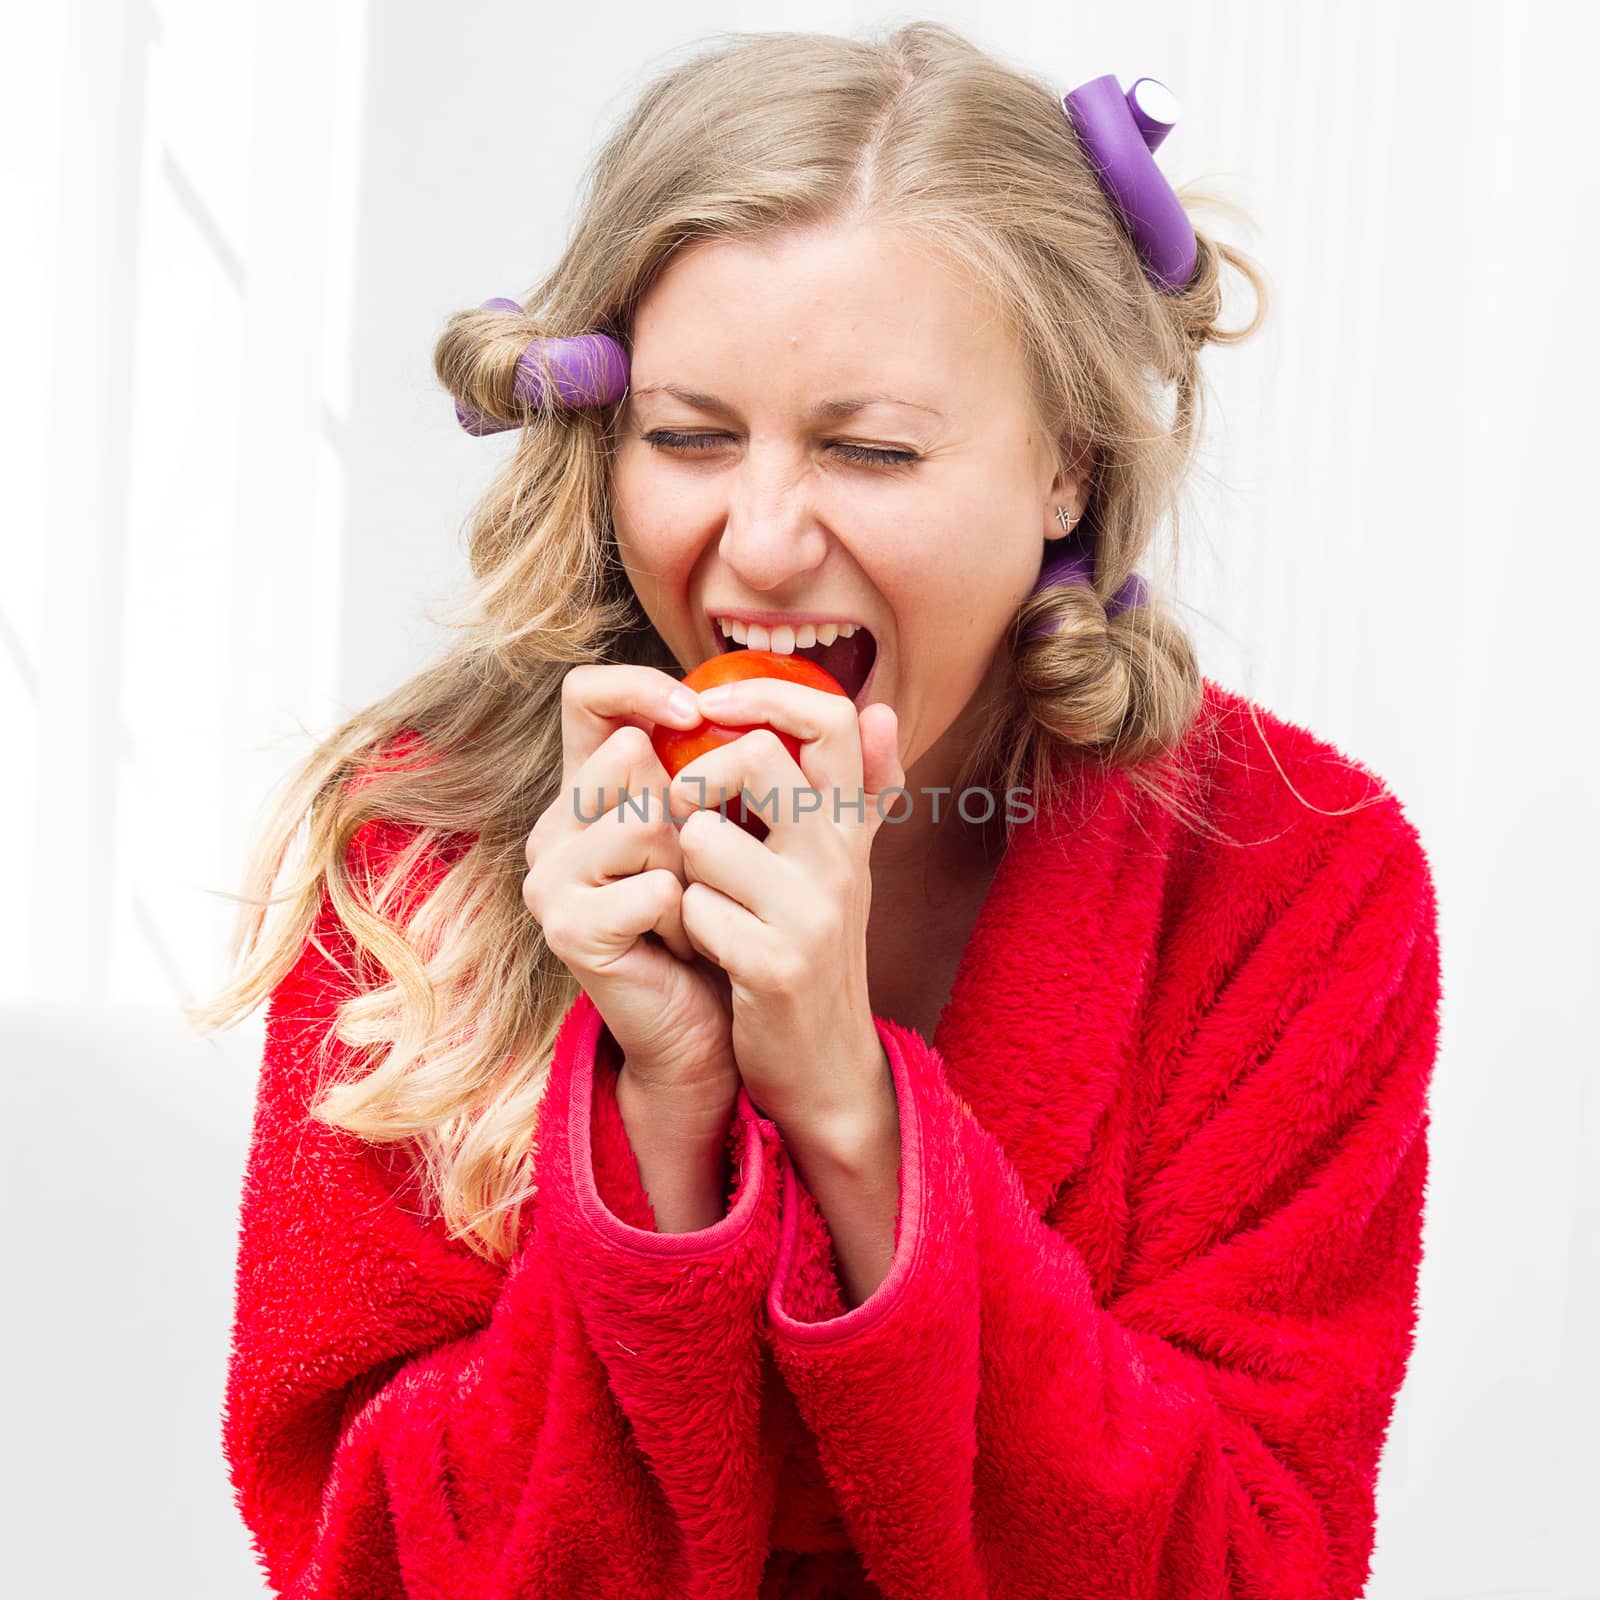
point(404, 1418)
point(1214, 1428)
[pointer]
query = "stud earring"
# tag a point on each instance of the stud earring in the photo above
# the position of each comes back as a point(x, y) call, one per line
point(1067, 522)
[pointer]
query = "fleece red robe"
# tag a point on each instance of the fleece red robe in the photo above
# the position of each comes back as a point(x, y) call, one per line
point(1152, 1297)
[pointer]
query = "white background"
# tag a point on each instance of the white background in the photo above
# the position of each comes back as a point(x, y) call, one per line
point(232, 490)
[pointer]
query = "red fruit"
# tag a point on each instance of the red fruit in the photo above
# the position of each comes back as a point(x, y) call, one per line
point(677, 747)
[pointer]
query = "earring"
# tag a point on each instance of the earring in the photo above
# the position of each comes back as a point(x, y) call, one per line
point(1067, 522)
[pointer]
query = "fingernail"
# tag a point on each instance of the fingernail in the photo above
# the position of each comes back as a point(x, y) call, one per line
point(712, 699)
point(683, 705)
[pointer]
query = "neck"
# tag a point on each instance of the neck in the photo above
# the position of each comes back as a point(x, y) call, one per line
point(914, 855)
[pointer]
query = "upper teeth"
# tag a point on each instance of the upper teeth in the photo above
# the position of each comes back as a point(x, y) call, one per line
point(783, 639)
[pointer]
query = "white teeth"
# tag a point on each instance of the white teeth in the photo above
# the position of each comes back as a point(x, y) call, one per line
point(784, 639)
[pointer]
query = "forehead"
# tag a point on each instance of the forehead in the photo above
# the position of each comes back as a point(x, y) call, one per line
point(865, 308)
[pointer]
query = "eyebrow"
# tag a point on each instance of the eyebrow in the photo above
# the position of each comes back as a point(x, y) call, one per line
point(822, 411)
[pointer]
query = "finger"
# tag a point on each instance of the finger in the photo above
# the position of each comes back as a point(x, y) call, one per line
point(599, 697)
point(825, 724)
point(717, 926)
point(754, 770)
point(669, 922)
point(622, 845)
point(610, 838)
point(720, 855)
point(626, 910)
point(880, 756)
point(757, 770)
point(624, 775)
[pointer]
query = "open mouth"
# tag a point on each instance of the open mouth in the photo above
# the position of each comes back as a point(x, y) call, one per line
point(849, 661)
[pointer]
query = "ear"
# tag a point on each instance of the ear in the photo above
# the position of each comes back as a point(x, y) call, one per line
point(1071, 484)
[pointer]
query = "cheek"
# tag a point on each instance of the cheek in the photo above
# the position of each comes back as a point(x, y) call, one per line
point(655, 528)
point(956, 580)
point(947, 556)
point(990, 547)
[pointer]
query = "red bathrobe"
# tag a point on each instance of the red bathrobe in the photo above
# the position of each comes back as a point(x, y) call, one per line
point(1153, 1288)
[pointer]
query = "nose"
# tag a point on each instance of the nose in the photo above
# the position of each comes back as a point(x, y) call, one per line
point(770, 534)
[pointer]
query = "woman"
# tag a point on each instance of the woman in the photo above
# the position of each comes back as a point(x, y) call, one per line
point(937, 1196)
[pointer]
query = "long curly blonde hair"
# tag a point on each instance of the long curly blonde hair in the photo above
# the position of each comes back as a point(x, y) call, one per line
point(918, 129)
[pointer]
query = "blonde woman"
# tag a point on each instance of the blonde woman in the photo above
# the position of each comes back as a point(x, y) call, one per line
point(1002, 1178)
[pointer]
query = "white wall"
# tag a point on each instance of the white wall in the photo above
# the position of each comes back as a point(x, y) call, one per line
point(232, 490)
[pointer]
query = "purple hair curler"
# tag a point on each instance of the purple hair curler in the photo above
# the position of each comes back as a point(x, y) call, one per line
point(1122, 133)
point(1074, 565)
point(590, 369)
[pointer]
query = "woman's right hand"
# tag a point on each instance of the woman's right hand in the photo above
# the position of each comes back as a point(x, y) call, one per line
point(600, 888)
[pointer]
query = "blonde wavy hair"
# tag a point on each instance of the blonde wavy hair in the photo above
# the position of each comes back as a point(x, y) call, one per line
point(920, 130)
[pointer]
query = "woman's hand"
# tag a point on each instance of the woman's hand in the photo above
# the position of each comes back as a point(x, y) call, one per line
point(786, 917)
point(604, 877)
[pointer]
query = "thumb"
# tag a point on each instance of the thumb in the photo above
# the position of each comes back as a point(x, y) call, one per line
point(880, 756)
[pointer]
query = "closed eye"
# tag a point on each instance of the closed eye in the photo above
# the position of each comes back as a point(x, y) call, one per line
point(663, 439)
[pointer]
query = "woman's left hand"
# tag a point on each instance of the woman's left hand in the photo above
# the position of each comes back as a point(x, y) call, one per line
point(786, 917)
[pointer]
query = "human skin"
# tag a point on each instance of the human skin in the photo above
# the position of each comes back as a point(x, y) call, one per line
point(768, 511)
